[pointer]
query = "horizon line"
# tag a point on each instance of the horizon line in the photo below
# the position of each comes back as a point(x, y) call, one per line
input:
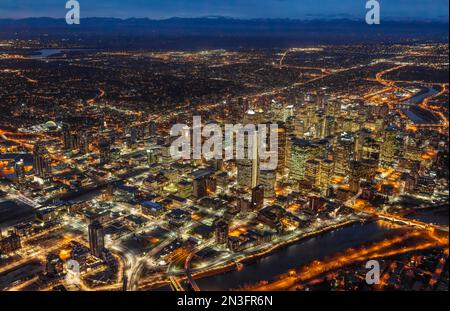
point(212, 17)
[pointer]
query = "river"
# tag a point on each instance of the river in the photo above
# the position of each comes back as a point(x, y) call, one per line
point(44, 53)
point(315, 248)
point(300, 253)
point(310, 249)
point(421, 96)
point(414, 115)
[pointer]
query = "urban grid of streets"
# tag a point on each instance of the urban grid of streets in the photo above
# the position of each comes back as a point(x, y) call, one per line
point(126, 166)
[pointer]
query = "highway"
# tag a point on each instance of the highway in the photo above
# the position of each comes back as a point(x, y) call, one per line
point(187, 268)
point(137, 268)
point(175, 284)
point(173, 280)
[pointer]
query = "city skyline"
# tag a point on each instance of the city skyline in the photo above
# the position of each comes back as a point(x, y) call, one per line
point(225, 155)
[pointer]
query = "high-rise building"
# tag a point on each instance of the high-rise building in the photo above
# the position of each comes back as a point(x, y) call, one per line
point(290, 126)
point(281, 132)
point(152, 128)
point(277, 111)
point(318, 125)
point(363, 170)
point(312, 169)
point(267, 179)
point(301, 124)
point(74, 141)
point(412, 149)
point(19, 172)
point(258, 197)
point(282, 141)
point(96, 238)
point(41, 162)
point(105, 151)
point(333, 108)
point(343, 153)
point(280, 112)
point(248, 168)
point(211, 184)
point(356, 173)
point(388, 147)
point(328, 127)
point(132, 137)
point(325, 173)
point(346, 124)
point(370, 149)
point(360, 137)
point(288, 111)
point(302, 151)
point(151, 156)
point(83, 142)
point(318, 100)
point(38, 152)
point(66, 136)
point(221, 231)
point(165, 157)
point(310, 115)
point(290, 133)
point(200, 187)
point(315, 202)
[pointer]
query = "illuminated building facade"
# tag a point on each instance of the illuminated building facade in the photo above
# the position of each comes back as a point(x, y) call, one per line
point(258, 197)
point(41, 162)
point(343, 153)
point(302, 151)
point(388, 147)
point(96, 238)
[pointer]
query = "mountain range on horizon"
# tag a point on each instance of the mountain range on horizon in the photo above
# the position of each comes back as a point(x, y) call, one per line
point(244, 9)
point(243, 32)
point(308, 18)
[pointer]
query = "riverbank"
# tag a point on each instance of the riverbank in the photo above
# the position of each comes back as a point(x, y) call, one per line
point(274, 260)
point(257, 255)
point(437, 215)
point(230, 266)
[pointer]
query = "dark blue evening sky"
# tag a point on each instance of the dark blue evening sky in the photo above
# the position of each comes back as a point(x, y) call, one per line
point(158, 9)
